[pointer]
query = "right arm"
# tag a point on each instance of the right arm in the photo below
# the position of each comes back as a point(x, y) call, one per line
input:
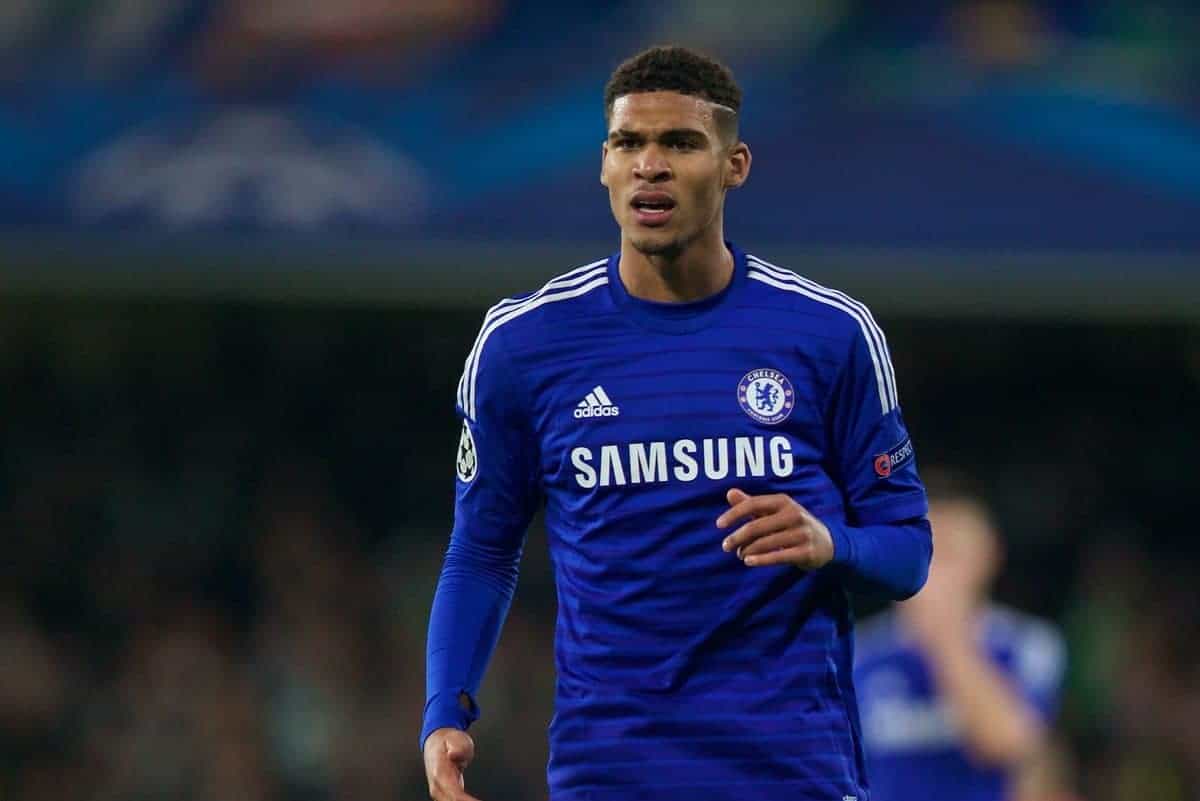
point(496, 493)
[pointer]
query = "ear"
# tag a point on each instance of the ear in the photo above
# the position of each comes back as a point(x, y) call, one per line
point(603, 163)
point(737, 163)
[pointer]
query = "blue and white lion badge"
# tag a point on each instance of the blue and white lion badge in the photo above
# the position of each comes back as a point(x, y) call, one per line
point(766, 395)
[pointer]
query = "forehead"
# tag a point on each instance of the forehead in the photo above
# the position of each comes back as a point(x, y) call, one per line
point(660, 111)
point(963, 523)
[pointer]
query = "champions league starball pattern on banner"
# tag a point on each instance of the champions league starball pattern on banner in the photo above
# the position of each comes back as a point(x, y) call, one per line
point(766, 395)
point(294, 142)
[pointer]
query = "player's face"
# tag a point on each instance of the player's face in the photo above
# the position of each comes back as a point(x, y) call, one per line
point(965, 546)
point(667, 168)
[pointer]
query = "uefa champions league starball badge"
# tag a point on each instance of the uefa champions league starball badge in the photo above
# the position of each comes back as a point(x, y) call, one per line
point(766, 395)
point(467, 462)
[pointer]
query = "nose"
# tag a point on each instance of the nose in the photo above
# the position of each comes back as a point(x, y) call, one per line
point(652, 166)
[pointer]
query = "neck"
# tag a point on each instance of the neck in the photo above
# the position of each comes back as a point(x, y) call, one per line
point(703, 268)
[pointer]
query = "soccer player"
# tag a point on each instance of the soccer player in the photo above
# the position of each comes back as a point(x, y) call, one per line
point(719, 448)
point(956, 692)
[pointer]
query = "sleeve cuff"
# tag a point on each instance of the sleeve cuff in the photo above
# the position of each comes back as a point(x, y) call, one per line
point(443, 711)
point(843, 544)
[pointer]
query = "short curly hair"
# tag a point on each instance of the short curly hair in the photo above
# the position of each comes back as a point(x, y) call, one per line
point(671, 68)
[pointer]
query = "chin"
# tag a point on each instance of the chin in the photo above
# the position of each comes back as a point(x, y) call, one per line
point(651, 248)
point(658, 245)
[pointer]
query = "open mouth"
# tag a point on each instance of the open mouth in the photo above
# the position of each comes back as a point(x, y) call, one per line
point(652, 207)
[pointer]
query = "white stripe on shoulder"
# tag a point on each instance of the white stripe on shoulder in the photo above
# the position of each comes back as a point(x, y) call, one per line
point(552, 292)
point(567, 279)
point(557, 280)
point(867, 320)
point(878, 358)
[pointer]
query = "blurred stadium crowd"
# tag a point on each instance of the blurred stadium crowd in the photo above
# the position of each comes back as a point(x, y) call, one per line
point(223, 524)
point(234, 39)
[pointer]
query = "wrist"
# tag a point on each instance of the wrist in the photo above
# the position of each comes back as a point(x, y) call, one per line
point(843, 544)
point(446, 710)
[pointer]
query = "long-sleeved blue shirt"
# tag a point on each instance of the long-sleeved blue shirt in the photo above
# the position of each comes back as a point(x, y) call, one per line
point(681, 671)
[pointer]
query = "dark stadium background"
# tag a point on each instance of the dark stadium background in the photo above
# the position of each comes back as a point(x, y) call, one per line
point(243, 255)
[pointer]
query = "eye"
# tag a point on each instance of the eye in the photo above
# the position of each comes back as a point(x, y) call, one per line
point(625, 144)
point(683, 145)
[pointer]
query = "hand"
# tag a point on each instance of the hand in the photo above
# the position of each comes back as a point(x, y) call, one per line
point(448, 751)
point(781, 531)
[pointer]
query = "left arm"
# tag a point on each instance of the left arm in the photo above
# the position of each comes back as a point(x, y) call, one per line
point(889, 559)
point(886, 544)
point(892, 558)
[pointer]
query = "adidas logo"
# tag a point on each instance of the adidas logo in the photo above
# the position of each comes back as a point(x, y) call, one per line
point(596, 404)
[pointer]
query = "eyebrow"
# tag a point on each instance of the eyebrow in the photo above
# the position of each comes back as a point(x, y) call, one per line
point(670, 133)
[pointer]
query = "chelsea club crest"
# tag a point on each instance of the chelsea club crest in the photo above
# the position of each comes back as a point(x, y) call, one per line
point(766, 395)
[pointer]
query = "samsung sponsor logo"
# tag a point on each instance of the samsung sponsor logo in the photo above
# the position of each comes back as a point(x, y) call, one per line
point(683, 460)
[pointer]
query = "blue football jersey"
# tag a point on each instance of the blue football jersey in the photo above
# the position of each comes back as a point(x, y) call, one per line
point(914, 749)
point(681, 672)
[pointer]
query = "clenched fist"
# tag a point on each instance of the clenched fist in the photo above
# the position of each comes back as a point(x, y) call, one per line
point(447, 754)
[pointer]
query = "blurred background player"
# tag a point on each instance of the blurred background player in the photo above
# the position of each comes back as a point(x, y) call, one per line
point(956, 691)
